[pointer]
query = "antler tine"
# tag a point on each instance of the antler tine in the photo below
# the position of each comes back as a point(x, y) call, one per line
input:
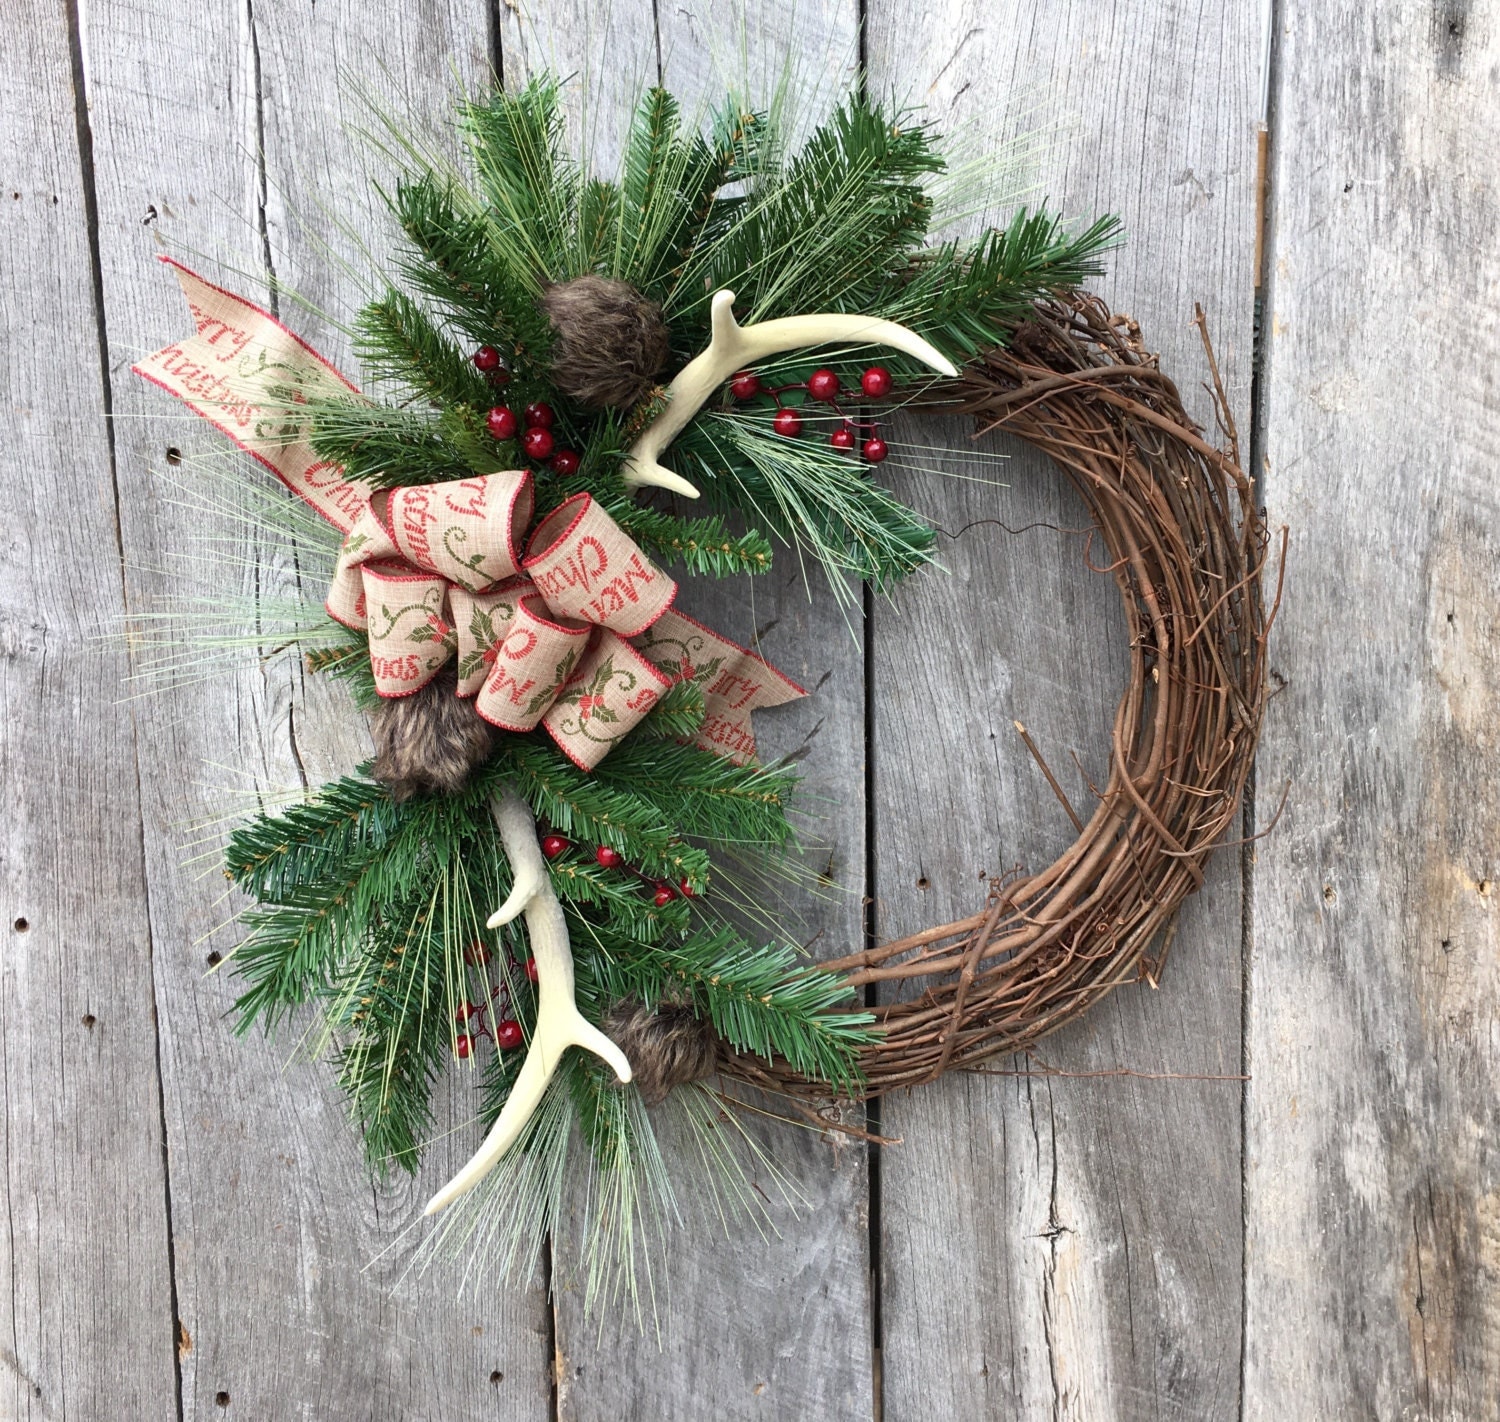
point(731, 347)
point(559, 1024)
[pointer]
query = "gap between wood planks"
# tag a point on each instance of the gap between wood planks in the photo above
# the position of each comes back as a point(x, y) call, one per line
point(173, 1330)
point(1270, 75)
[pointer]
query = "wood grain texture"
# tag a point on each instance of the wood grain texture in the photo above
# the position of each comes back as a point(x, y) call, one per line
point(1056, 1246)
point(1373, 1285)
point(753, 1324)
point(284, 1283)
point(86, 1326)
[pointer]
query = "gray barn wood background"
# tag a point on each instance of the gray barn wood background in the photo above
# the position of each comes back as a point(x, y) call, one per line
point(1267, 1189)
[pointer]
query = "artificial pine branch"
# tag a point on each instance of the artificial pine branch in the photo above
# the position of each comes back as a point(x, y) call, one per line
point(595, 810)
point(454, 264)
point(860, 173)
point(383, 446)
point(761, 1000)
point(397, 1008)
point(704, 795)
point(397, 340)
point(598, 227)
point(647, 176)
point(701, 545)
point(964, 298)
point(813, 497)
point(677, 715)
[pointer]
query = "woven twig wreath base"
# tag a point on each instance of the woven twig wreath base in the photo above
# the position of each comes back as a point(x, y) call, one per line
point(1187, 547)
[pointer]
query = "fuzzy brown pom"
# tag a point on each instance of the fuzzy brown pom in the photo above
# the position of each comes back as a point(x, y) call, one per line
point(610, 341)
point(431, 741)
point(666, 1046)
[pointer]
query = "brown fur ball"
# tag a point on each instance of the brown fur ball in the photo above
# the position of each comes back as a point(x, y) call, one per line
point(431, 741)
point(610, 341)
point(665, 1047)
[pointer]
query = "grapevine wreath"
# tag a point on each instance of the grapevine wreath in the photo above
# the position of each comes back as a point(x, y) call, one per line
point(564, 825)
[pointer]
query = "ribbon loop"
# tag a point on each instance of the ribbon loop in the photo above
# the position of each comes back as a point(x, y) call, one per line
point(588, 567)
point(465, 529)
point(410, 638)
point(611, 694)
point(480, 621)
point(532, 664)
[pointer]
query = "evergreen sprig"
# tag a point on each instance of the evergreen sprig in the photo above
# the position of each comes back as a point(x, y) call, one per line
point(529, 184)
point(810, 495)
point(825, 231)
point(393, 1013)
point(701, 545)
point(453, 264)
point(760, 999)
point(597, 809)
point(396, 339)
point(383, 446)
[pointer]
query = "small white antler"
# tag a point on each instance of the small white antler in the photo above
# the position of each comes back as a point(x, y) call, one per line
point(731, 348)
point(559, 1024)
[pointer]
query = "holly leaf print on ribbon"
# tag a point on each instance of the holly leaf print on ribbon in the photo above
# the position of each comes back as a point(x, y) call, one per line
point(549, 693)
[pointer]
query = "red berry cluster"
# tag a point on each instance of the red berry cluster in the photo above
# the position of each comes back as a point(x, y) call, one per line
point(609, 858)
point(469, 1016)
point(823, 386)
point(537, 439)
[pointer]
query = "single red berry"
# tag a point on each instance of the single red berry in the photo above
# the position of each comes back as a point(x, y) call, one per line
point(823, 385)
point(664, 895)
point(842, 438)
point(486, 358)
point(609, 858)
point(875, 449)
point(500, 377)
point(466, 1010)
point(565, 461)
point(508, 1034)
point(477, 954)
point(745, 385)
point(787, 422)
point(876, 381)
point(464, 1044)
point(553, 845)
point(688, 891)
point(531, 970)
point(537, 442)
point(502, 422)
point(539, 416)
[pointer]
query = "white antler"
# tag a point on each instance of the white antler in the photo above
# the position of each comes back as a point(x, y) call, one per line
point(559, 1024)
point(732, 347)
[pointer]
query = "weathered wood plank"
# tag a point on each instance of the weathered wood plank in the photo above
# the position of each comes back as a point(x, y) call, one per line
point(1057, 1246)
point(274, 1219)
point(1373, 1222)
point(86, 1327)
point(750, 1326)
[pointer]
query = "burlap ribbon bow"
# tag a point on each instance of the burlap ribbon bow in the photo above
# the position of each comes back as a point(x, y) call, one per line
point(576, 633)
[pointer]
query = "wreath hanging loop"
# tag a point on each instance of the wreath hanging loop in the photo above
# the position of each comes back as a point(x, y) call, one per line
point(1187, 547)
